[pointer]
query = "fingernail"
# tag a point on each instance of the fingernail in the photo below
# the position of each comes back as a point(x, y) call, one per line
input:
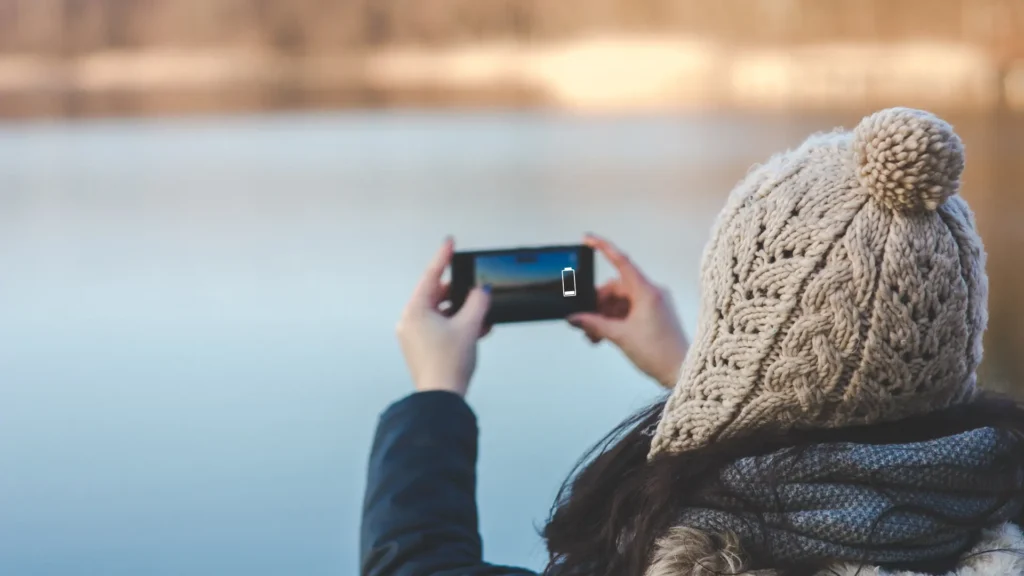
point(487, 288)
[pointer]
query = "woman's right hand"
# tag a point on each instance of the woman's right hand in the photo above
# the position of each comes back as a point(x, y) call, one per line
point(636, 316)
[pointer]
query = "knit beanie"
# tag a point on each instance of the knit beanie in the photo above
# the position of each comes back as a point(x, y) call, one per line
point(844, 284)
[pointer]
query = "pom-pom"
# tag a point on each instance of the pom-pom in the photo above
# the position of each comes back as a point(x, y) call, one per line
point(910, 160)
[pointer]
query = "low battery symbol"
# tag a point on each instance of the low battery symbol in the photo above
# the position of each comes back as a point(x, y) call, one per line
point(568, 282)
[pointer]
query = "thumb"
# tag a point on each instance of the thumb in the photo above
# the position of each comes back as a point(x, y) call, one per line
point(596, 326)
point(475, 308)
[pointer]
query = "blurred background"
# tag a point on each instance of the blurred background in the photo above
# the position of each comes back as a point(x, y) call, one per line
point(212, 212)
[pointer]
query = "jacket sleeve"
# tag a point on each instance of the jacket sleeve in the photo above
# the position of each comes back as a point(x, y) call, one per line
point(419, 511)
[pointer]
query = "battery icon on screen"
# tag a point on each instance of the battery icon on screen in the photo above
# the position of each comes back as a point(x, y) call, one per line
point(568, 282)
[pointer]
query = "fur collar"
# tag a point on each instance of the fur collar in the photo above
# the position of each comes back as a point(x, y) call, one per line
point(689, 552)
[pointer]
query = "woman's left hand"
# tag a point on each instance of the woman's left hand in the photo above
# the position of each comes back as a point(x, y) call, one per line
point(439, 349)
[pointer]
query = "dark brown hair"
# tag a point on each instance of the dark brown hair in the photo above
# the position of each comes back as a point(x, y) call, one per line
point(616, 504)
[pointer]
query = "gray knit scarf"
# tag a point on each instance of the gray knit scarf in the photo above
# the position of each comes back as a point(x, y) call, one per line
point(876, 504)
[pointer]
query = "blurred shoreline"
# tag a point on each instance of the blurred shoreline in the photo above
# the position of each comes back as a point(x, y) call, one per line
point(605, 73)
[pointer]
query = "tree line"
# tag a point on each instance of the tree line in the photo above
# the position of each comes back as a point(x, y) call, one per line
point(299, 27)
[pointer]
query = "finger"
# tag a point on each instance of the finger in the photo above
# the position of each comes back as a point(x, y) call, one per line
point(589, 331)
point(592, 335)
point(596, 327)
point(474, 311)
point(613, 301)
point(446, 309)
point(613, 287)
point(427, 293)
point(443, 293)
point(631, 275)
point(615, 308)
point(486, 330)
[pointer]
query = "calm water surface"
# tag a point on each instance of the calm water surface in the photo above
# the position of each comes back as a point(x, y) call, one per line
point(196, 320)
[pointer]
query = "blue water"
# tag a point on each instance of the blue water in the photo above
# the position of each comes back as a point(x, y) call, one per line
point(196, 320)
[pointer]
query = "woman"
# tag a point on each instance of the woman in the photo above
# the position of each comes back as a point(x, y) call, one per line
point(825, 420)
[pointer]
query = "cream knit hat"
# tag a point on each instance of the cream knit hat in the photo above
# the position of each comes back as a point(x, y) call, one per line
point(844, 284)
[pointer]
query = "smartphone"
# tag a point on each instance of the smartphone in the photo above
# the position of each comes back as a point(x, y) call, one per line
point(527, 284)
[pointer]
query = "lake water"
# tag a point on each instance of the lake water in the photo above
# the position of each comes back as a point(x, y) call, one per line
point(196, 319)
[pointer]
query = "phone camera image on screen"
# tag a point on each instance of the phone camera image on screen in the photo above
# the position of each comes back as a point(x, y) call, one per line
point(521, 275)
point(527, 281)
point(526, 284)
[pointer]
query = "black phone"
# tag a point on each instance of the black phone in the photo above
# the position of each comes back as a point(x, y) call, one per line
point(527, 284)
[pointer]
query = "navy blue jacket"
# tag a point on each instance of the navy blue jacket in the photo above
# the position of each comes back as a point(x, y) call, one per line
point(419, 512)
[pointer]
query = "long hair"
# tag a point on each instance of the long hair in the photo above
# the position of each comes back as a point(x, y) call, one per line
point(615, 505)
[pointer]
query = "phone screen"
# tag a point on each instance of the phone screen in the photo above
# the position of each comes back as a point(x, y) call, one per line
point(524, 275)
point(528, 283)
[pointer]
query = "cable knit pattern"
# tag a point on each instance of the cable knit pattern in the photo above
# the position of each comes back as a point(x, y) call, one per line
point(844, 284)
